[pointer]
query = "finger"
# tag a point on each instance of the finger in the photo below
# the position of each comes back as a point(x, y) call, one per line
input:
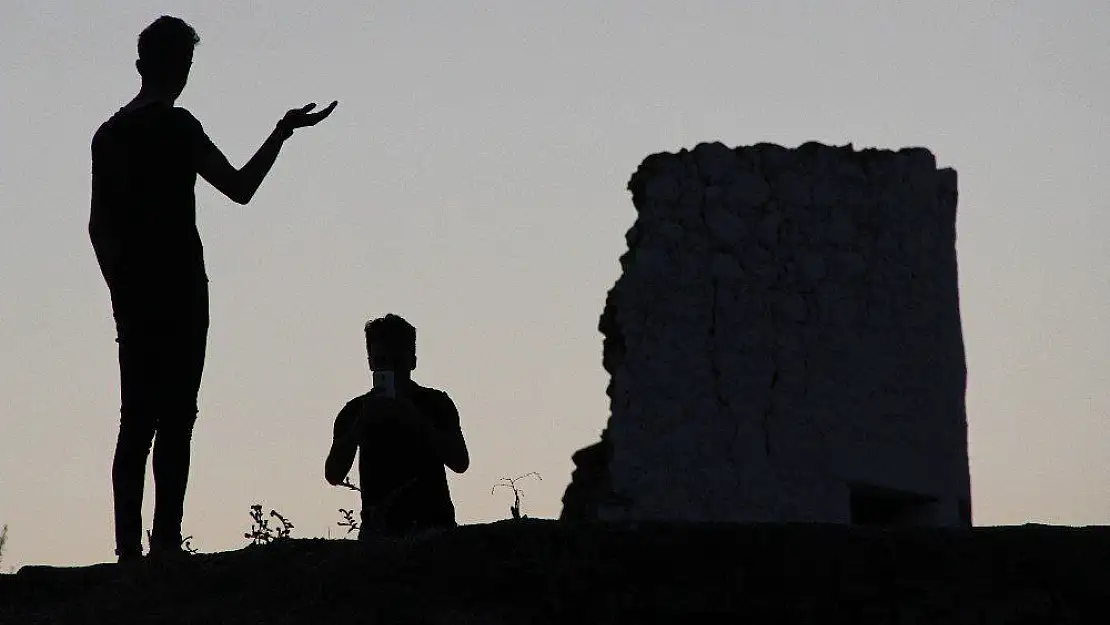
point(308, 107)
point(321, 115)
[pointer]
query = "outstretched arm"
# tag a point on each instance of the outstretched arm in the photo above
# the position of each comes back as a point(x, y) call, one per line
point(240, 185)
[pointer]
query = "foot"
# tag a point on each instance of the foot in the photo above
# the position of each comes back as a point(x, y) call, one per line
point(127, 556)
point(166, 552)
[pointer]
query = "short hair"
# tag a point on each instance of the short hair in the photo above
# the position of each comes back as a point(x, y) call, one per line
point(164, 44)
point(391, 330)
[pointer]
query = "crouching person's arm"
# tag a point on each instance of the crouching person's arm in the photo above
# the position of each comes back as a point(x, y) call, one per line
point(447, 440)
point(440, 431)
point(344, 444)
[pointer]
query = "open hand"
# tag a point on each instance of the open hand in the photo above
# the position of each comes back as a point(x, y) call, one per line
point(302, 118)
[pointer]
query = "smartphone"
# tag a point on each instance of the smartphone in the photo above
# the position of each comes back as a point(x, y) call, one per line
point(383, 383)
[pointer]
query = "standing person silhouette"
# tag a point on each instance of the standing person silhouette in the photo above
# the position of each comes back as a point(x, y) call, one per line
point(145, 160)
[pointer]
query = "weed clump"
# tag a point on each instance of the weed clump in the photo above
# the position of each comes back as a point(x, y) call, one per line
point(349, 520)
point(262, 533)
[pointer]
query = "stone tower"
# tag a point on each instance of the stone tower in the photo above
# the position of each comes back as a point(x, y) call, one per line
point(784, 343)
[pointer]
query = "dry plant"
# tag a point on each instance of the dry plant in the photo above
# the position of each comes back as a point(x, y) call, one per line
point(517, 492)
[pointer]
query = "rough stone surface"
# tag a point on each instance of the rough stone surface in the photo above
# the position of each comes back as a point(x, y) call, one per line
point(784, 343)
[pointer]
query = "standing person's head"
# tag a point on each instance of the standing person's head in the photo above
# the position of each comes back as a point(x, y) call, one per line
point(166, 54)
point(390, 344)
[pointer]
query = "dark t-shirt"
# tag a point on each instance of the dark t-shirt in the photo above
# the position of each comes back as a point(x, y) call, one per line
point(404, 484)
point(144, 169)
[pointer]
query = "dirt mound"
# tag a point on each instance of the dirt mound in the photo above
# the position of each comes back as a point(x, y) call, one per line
point(541, 571)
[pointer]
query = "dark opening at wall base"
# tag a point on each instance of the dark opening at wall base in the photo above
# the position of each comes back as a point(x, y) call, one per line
point(888, 507)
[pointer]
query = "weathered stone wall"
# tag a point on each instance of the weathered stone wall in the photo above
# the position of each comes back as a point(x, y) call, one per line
point(784, 343)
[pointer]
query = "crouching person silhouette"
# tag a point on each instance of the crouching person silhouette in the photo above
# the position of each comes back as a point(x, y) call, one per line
point(405, 434)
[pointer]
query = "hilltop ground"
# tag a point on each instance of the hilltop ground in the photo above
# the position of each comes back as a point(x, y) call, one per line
point(541, 571)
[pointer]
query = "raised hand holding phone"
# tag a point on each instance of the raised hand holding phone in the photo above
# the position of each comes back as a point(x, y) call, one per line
point(385, 384)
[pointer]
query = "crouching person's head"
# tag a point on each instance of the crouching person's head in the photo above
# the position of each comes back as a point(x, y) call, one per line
point(391, 344)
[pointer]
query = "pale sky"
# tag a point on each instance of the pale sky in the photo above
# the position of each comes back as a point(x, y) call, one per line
point(473, 180)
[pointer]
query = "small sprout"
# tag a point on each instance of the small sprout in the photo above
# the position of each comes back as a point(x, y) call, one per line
point(187, 546)
point(349, 520)
point(347, 484)
point(369, 515)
